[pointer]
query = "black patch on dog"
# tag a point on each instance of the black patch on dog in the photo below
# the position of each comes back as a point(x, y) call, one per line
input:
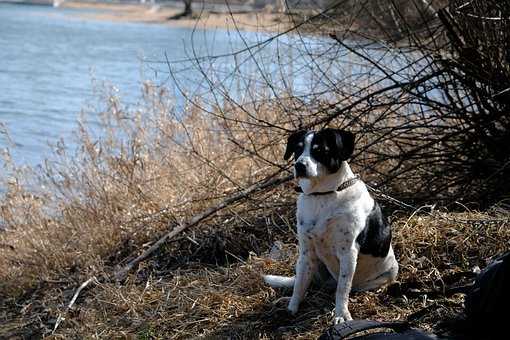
point(293, 146)
point(332, 146)
point(375, 238)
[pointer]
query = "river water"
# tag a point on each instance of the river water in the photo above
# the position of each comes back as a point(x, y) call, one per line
point(54, 66)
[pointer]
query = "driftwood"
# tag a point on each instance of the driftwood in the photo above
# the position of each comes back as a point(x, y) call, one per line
point(269, 182)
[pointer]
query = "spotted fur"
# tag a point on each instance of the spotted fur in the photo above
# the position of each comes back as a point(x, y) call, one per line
point(345, 230)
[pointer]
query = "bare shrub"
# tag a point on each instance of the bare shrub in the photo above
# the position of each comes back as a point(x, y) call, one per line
point(429, 110)
point(145, 175)
point(423, 131)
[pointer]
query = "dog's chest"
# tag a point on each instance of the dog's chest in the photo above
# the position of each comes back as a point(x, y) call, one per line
point(322, 219)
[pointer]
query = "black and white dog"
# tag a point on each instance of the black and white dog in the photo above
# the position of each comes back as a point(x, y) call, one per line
point(339, 224)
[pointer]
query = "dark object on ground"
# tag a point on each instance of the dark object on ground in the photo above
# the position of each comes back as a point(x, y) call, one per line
point(187, 13)
point(487, 303)
point(388, 331)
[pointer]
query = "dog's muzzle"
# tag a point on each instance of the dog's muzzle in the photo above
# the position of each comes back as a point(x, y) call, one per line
point(300, 169)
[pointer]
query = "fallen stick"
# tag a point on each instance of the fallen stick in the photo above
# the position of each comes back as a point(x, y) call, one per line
point(121, 273)
point(73, 300)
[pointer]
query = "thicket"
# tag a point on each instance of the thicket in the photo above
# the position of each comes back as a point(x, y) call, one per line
point(429, 105)
point(432, 115)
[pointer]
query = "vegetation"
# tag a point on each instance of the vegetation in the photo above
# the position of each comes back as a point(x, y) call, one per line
point(432, 134)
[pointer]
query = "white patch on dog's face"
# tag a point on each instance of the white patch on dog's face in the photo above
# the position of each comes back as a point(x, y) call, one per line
point(318, 154)
point(314, 169)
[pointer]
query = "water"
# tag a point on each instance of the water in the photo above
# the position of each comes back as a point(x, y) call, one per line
point(52, 63)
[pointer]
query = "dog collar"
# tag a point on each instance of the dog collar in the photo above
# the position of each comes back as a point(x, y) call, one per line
point(348, 183)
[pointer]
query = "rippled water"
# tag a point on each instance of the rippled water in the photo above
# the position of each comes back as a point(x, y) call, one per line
point(54, 63)
point(51, 61)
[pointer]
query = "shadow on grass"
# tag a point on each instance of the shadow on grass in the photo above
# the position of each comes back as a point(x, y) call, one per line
point(272, 320)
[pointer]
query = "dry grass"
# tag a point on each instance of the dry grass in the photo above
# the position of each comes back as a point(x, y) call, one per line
point(145, 175)
point(91, 210)
point(217, 301)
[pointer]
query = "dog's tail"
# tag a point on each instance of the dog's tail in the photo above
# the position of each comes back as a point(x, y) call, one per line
point(276, 281)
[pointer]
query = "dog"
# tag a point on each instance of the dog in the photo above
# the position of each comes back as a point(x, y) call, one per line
point(339, 225)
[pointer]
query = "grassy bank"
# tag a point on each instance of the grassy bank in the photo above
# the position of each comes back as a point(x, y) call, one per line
point(71, 224)
point(94, 210)
point(177, 295)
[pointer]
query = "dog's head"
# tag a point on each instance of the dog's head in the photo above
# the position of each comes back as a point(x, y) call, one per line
point(320, 153)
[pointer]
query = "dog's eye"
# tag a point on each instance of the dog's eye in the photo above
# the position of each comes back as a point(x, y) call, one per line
point(315, 146)
point(300, 144)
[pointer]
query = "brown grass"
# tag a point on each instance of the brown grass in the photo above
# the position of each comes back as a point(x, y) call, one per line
point(94, 209)
point(217, 301)
point(130, 186)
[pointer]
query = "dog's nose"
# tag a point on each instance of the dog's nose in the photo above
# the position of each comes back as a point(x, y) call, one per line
point(300, 169)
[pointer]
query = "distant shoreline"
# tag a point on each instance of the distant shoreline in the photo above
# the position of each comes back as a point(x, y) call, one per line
point(264, 21)
point(28, 2)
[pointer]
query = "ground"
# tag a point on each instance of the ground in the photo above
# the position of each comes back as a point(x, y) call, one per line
point(223, 295)
point(250, 21)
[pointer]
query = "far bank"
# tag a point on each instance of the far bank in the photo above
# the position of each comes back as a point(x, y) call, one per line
point(206, 16)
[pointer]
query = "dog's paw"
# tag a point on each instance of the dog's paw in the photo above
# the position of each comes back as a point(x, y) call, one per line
point(344, 316)
point(293, 307)
point(338, 320)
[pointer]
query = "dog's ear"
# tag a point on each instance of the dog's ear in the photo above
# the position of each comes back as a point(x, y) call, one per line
point(347, 143)
point(292, 143)
point(343, 142)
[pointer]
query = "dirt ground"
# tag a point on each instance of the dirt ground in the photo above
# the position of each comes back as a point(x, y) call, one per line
point(252, 21)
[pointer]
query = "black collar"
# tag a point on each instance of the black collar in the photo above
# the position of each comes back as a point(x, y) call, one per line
point(343, 186)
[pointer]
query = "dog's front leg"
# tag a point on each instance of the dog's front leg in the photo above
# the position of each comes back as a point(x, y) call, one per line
point(348, 258)
point(306, 267)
